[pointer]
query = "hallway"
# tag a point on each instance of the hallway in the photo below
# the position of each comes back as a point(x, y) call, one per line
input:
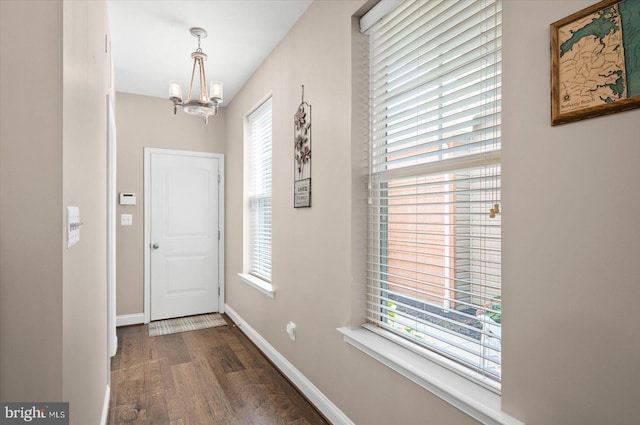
point(211, 376)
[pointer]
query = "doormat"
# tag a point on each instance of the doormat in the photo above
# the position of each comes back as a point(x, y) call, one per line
point(184, 324)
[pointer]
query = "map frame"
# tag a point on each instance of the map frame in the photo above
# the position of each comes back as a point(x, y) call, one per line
point(578, 113)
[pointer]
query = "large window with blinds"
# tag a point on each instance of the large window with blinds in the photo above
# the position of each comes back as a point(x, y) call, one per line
point(434, 238)
point(260, 192)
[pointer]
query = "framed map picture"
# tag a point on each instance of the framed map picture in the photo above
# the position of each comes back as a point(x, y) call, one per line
point(595, 61)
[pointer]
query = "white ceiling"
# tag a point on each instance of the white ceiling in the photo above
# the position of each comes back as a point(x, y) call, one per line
point(152, 45)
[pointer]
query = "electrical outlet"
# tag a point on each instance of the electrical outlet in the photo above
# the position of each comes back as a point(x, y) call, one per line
point(291, 330)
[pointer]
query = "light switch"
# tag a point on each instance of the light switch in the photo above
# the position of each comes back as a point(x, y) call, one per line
point(126, 219)
point(73, 226)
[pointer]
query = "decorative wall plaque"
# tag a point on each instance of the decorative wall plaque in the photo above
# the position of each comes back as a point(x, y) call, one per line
point(302, 155)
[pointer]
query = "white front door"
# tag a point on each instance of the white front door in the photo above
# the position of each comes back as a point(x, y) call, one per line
point(184, 234)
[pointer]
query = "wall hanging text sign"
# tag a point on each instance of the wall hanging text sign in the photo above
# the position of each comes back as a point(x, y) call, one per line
point(302, 195)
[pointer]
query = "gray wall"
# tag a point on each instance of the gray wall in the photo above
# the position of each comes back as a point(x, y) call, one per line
point(31, 220)
point(141, 122)
point(570, 231)
point(570, 234)
point(317, 252)
point(87, 79)
point(54, 82)
point(570, 241)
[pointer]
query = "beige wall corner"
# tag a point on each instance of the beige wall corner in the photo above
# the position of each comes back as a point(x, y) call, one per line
point(86, 84)
point(569, 241)
point(141, 122)
point(52, 299)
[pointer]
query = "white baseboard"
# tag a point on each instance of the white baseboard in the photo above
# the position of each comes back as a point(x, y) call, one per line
point(315, 396)
point(130, 319)
point(105, 406)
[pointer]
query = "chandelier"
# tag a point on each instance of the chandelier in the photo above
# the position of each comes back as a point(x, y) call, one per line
point(206, 104)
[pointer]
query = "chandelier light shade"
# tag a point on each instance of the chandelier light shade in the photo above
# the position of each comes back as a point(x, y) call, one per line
point(207, 100)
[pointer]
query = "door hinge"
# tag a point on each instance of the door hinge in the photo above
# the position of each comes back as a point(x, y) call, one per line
point(218, 234)
point(219, 179)
point(218, 291)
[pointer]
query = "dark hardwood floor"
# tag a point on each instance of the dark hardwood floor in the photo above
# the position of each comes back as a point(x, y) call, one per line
point(211, 376)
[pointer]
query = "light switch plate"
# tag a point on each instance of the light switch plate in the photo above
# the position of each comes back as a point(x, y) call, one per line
point(73, 226)
point(126, 219)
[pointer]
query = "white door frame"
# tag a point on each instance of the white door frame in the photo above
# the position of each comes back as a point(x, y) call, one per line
point(112, 339)
point(147, 223)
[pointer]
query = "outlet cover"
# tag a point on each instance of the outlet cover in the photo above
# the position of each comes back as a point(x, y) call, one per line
point(291, 330)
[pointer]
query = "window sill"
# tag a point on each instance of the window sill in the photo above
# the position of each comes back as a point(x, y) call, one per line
point(259, 284)
point(475, 400)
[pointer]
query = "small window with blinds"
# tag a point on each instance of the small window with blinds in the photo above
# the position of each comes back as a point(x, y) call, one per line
point(434, 249)
point(260, 192)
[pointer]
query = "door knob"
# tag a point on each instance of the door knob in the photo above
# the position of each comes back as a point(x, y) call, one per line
point(155, 246)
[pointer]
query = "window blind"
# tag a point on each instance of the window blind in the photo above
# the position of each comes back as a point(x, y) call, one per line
point(434, 246)
point(260, 192)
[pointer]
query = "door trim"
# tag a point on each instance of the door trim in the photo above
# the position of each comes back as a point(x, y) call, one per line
point(112, 338)
point(147, 223)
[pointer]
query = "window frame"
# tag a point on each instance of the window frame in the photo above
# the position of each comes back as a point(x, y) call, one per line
point(384, 255)
point(426, 128)
point(258, 192)
point(444, 378)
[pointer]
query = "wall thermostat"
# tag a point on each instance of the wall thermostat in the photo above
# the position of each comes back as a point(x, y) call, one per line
point(127, 199)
